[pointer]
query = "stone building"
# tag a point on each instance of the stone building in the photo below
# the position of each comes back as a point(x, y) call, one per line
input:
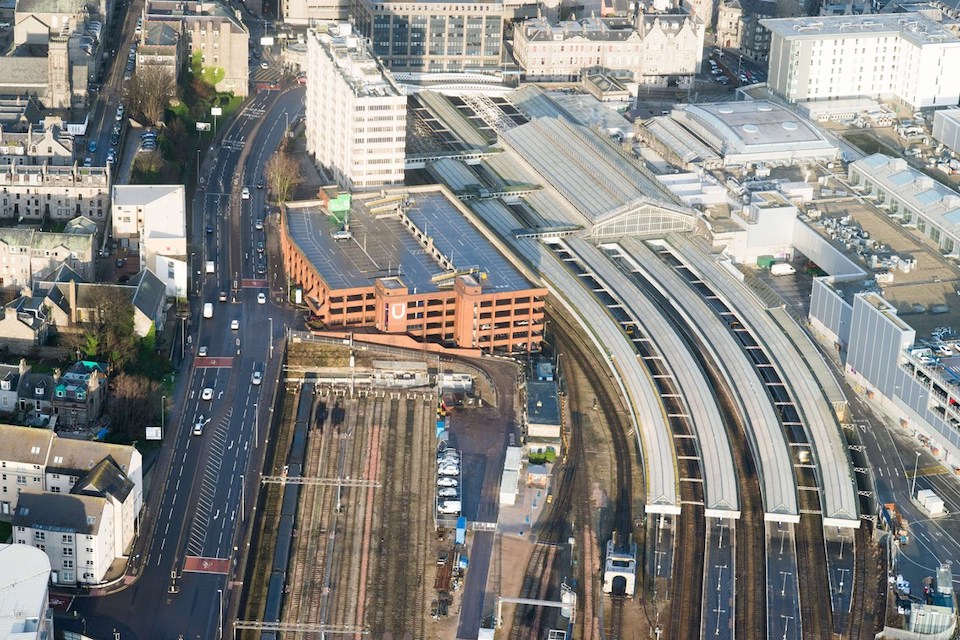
point(655, 48)
point(214, 37)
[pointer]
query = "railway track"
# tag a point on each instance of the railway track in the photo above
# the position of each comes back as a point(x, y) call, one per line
point(616, 618)
point(815, 608)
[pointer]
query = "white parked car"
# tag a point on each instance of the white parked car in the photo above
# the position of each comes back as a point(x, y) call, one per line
point(234, 324)
point(448, 492)
point(449, 470)
point(206, 394)
point(447, 481)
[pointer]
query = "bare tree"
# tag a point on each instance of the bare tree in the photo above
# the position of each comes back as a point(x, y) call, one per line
point(150, 91)
point(133, 405)
point(282, 173)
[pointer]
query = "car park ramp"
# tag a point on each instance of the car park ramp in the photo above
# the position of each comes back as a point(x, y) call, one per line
point(839, 499)
point(721, 499)
point(764, 433)
point(647, 413)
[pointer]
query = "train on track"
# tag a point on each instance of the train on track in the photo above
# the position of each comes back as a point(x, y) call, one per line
point(288, 512)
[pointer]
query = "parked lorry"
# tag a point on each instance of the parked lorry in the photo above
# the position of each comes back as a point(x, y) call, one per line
point(211, 266)
point(782, 269)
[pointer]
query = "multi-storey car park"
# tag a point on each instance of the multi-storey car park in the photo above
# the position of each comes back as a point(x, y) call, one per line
point(410, 264)
point(558, 178)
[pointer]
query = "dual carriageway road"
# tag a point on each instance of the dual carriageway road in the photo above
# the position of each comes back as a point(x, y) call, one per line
point(198, 511)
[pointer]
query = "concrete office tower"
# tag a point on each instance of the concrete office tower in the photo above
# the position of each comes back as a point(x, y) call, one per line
point(356, 114)
point(427, 36)
point(904, 56)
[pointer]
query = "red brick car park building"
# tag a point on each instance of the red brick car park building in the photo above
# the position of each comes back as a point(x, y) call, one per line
point(414, 264)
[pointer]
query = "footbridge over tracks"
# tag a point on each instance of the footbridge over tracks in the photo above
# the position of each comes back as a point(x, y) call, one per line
point(721, 498)
point(839, 498)
point(646, 410)
point(766, 438)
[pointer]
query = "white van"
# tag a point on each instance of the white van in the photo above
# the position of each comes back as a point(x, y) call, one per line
point(207, 310)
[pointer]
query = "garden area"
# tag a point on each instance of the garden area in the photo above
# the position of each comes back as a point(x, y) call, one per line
point(157, 101)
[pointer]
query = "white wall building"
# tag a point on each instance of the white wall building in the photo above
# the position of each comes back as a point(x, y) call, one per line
point(356, 114)
point(77, 501)
point(905, 56)
point(152, 220)
point(77, 532)
point(25, 612)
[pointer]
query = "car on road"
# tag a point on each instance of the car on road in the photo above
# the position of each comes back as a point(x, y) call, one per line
point(257, 378)
point(245, 193)
point(449, 470)
point(120, 112)
point(261, 298)
point(209, 229)
point(202, 352)
point(447, 482)
point(264, 65)
point(119, 262)
point(259, 225)
point(223, 296)
point(117, 128)
point(261, 270)
point(234, 325)
point(92, 146)
point(111, 156)
point(206, 394)
point(260, 246)
point(88, 162)
point(260, 183)
point(198, 427)
point(114, 139)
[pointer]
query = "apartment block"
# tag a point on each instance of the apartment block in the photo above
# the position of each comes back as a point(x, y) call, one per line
point(433, 36)
point(739, 26)
point(356, 115)
point(37, 194)
point(652, 49)
point(907, 57)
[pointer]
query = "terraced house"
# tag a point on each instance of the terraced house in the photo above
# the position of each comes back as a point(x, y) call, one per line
point(27, 254)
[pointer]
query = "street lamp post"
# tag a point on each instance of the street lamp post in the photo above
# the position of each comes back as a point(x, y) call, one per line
point(220, 617)
point(271, 338)
point(198, 164)
point(241, 497)
point(256, 424)
point(913, 486)
point(163, 410)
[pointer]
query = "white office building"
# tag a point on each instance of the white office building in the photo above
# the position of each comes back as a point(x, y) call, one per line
point(908, 57)
point(356, 114)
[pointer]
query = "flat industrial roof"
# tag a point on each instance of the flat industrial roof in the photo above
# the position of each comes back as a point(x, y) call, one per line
point(383, 246)
point(840, 501)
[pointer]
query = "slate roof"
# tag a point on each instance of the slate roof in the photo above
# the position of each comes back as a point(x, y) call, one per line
point(64, 512)
point(104, 479)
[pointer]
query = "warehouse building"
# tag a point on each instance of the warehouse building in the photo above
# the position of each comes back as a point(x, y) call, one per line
point(902, 56)
point(411, 263)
